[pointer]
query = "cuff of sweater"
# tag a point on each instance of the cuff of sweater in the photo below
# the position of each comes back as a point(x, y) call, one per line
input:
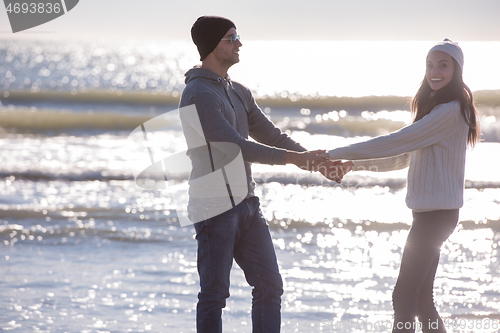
point(335, 154)
point(278, 157)
point(364, 165)
point(358, 165)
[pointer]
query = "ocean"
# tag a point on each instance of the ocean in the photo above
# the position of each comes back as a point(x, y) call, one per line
point(84, 249)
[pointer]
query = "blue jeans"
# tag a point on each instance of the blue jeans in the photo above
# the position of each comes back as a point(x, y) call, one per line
point(413, 294)
point(241, 233)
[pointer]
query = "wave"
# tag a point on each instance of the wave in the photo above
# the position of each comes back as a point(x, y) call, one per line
point(370, 225)
point(486, 98)
point(26, 119)
point(22, 118)
point(58, 234)
point(36, 175)
point(60, 230)
point(352, 104)
point(91, 96)
point(353, 181)
point(348, 127)
point(313, 115)
point(291, 178)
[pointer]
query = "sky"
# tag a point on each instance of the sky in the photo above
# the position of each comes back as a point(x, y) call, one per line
point(461, 20)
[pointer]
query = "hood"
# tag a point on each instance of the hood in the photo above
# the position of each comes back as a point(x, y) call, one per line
point(198, 72)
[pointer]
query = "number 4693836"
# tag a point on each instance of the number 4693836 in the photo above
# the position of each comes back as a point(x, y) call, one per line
point(33, 8)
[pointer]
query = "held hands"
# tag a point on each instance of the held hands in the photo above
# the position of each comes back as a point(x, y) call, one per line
point(307, 160)
point(317, 160)
point(325, 155)
point(335, 170)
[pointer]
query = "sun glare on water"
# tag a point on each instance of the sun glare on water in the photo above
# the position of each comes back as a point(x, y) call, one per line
point(354, 68)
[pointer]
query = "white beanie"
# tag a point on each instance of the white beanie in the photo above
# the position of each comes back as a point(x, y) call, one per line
point(449, 47)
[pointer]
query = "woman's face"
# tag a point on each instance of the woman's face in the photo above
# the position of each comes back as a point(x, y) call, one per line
point(440, 69)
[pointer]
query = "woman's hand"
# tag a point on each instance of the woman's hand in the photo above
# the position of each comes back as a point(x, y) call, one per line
point(335, 170)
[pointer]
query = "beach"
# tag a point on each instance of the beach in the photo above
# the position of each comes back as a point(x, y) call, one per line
point(84, 249)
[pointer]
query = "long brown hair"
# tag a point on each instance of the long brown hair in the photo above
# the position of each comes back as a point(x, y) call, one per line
point(426, 99)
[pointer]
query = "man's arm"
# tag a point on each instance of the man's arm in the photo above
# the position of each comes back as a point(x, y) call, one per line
point(263, 130)
point(216, 128)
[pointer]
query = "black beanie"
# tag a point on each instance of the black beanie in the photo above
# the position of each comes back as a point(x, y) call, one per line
point(207, 32)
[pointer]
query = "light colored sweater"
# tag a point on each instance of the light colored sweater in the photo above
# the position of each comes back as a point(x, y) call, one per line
point(434, 148)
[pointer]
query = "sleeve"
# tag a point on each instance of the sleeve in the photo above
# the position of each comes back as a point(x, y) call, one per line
point(264, 131)
point(431, 129)
point(216, 128)
point(383, 164)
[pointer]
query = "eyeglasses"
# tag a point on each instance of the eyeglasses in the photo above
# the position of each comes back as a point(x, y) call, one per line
point(232, 38)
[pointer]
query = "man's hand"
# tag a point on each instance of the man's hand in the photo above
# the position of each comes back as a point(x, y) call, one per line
point(335, 170)
point(325, 155)
point(307, 160)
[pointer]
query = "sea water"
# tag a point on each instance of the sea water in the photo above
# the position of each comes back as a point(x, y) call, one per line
point(84, 249)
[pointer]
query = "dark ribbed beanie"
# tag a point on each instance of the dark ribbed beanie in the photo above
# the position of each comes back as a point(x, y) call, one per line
point(207, 32)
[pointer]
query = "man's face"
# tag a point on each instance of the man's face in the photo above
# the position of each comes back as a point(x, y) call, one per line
point(227, 53)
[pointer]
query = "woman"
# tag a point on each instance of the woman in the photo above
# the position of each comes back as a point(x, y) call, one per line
point(434, 146)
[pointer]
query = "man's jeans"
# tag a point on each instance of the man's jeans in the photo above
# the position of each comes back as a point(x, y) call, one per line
point(413, 294)
point(241, 233)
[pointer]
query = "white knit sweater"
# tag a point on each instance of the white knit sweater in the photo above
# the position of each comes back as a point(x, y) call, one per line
point(434, 148)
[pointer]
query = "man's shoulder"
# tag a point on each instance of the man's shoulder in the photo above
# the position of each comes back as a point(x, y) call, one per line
point(200, 87)
point(241, 87)
point(201, 84)
point(243, 91)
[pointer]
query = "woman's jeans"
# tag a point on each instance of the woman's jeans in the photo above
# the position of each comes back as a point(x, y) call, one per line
point(413, 294)
point(241, 233)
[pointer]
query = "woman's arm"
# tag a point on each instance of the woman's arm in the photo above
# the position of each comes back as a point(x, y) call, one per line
point(431, 129)
point(336, 170)
point(383, 164)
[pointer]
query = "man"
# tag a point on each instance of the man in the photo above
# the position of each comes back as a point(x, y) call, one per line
point(228, 113)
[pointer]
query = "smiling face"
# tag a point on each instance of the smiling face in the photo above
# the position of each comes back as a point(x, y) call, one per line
point(225, 53)
point(440, 69)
